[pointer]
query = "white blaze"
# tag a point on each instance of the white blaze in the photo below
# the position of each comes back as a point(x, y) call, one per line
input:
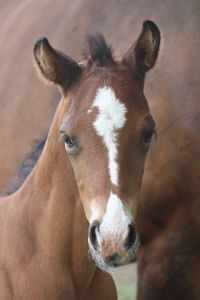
point(111, 118)
point(115, 221)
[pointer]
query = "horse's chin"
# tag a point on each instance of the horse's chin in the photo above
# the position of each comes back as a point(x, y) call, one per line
point(105, 265)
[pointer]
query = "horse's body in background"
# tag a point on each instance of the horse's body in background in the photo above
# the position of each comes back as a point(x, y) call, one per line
point(168, 218)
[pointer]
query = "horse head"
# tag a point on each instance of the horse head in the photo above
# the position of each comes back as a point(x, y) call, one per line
point(106, 129)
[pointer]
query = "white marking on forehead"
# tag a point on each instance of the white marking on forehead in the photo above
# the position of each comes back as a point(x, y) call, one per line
point(110, 119)
point(115, 221)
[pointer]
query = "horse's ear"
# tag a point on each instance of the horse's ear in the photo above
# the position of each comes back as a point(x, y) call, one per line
point(53, 65)
point(142, 55)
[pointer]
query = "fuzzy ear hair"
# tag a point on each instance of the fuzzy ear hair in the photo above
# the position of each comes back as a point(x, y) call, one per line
point(142, 55)
point(53, 65)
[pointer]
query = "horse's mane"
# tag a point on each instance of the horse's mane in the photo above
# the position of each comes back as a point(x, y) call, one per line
point(27, 165)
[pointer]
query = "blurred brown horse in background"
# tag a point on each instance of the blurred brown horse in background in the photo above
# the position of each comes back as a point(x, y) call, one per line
point(168, 214)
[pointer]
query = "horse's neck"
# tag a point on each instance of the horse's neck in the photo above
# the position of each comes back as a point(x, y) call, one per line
point(51, 209)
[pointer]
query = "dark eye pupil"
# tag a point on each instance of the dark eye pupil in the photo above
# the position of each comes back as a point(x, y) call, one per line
point(68, 141)
point(147, 137)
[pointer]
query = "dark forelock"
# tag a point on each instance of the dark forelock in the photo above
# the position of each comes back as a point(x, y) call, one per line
point(99, 52)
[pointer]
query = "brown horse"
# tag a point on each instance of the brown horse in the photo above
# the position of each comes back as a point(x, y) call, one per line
point(170, 186)
point(101, 129)
point(168, 214)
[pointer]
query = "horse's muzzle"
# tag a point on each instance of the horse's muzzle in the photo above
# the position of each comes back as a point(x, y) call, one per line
point(113, 248)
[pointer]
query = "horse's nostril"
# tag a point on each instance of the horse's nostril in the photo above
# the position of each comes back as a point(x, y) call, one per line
point(131, 238)
point(93, 231)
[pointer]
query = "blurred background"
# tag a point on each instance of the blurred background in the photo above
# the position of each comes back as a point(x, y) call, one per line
point(27, 106)
point(126, 281)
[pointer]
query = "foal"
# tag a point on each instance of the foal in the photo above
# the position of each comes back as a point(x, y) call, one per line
point(91, 165)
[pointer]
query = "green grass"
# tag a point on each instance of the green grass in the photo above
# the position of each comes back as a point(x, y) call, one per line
point(126, 291)
point(126, 281)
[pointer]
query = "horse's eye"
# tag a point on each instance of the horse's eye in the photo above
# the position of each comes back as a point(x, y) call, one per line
point(69, 142)
point(147, 136)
